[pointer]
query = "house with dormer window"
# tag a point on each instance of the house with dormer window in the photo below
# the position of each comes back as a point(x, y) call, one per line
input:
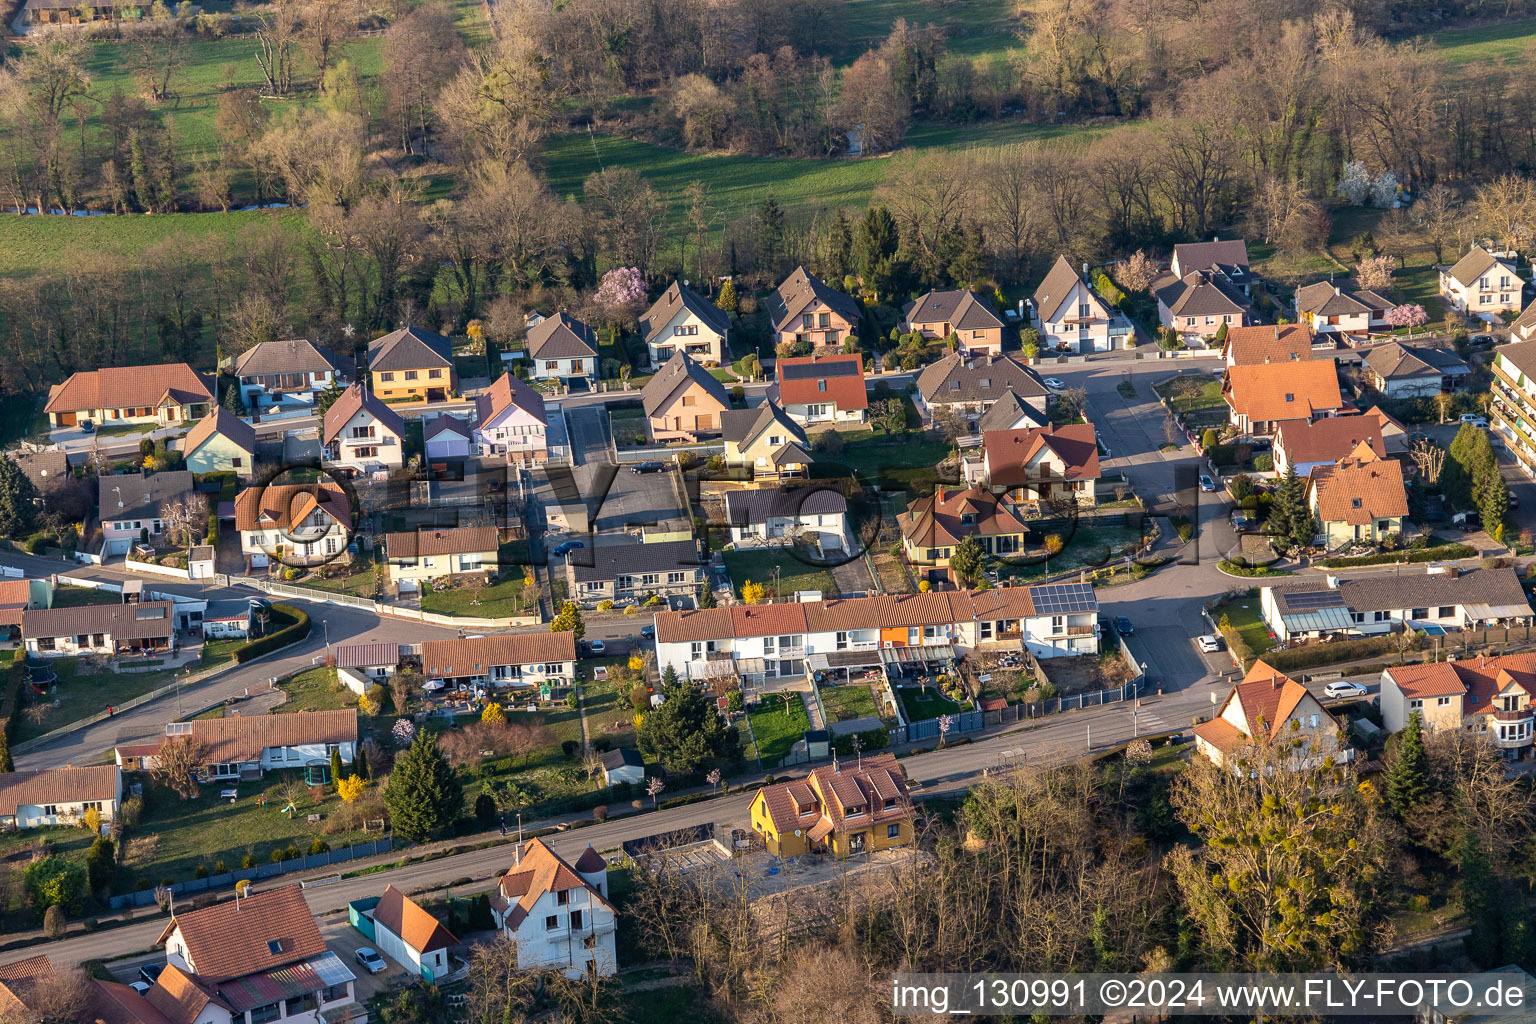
point(1070, 317)
point(1358, 499)
point(293, 524)
point(557, 914)
point(844, 809)
point(1483, 281)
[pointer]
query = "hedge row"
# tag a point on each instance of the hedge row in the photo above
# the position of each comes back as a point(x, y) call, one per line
point(869, 740)
point(13, 692)
point(1313, 655)
point(1445, 552)
point(1233, 569)
point(297, 630)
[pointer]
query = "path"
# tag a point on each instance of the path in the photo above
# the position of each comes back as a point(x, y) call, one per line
point(813, 709)
point(581, 708)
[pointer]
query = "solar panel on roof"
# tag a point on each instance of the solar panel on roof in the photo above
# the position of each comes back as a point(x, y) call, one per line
point(1313, 600)
point(1058, 598)
point(821, 368)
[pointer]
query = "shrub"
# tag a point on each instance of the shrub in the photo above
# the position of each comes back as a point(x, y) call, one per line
point(219, 868)
point(297, 630)
point(1326, 654)
point(247, 862)
point(292, 853)
point(600, 812)
point(201, 871)
point(319, 846)
point(1263, 463)
point(54, 922)
point(570, 748)
point(277, 857)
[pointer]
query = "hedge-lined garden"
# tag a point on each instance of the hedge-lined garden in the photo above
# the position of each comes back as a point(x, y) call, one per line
point(296, 628)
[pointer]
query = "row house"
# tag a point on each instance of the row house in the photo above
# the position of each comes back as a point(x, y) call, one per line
point(1442, 597)
point(1489, 697)
point(507, 661)
point(774, 640)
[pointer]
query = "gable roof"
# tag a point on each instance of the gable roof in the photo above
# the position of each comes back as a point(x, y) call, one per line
point(757, 506)
point(1519, 354)
point(146, 620)
point(832, 791)
point(540, 871)
point(404, 917)
point(243, 737)
point(1201, 293)
point(296, 355)
point(1268, 698)
point(1009, 452)
point(505, 392)
point(561, 337)
point(833, 377)
point(745, 426)
point(947, 516)
point(15, 598)
point(410, 348)
point(1328, 439)
point(1229, 256)
point(1396, 361)
point(459, 540)
point(961, 308)
point(1385, 423)
point(1525, 324)
point(1283, 391)
point(1478, 680)
point(1058, 284)
point(353, 401)
point(1359, 488)
point(179, 997)
point(675, 374)
point(140, 495)
point(801, 289)
point(127, 387)
point(225, 423)
point(473, 656)
point(261, 931)
point(676, 298)
point(618, 757)
point(1477, 262)
point(1499, 589)
point(18, 983)
point(1290, 343)
point(446, 423)
point(956, 378)
point(57, 786)
point(1007, 411)
point(280, 506)
point(112, 1002)
point(372, 655)
point(609, 561)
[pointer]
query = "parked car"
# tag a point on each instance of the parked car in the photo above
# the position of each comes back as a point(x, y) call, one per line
point(1206, 483)
point(1474, 419)
point(150, 972)
point(1209, 644)
point(1240, 521)
point(371, 960)
point(1123, 626)
point(1343, 688)
point(651, 466)
point(1260, 444)
point(1055, 384)
point(566, 547)
point(1481, 341)
point(1469, 521)
point(597, 648)
point(87, 427)
point(647, 632)
point(1514, 502)
point(141, 987)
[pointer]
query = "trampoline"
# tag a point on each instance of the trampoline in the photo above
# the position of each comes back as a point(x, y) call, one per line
point(318, 773)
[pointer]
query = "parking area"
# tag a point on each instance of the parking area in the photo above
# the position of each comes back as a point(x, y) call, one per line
point(617, 497)
point(345, 941)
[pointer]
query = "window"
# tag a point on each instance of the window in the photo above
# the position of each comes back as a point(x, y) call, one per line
point(893, 831)
point(235, 461)
point(575, 919)
point(333, 993)
point(562, 897)
point(821, 385)
point(825, 320)
point(1189, 322)
point(986, 382)
point(808, 320)
point(552, 922)
point(551, 364)
point(263, 1014)
point(1445, 611)
point(49, 810)
point(386, 376)
point(1443, 702)
point(435, 374)
point(1415, 704)
point(690, 400)
point(1083, 310)
point(274, 946)
point(299, 1004)
point(1420, 613)
point(411, 374)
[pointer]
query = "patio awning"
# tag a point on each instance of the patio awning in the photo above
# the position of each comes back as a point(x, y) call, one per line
point(917, 655)
point(1498, 611)
point(1320, 620)
point(843, 659)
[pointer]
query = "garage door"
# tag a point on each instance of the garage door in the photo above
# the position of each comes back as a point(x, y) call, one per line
point(407, 586)
point(67, 419)
point(119, 546)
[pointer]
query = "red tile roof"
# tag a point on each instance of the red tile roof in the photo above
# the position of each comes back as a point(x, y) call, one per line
point(15, 595)
point(129, 387)
point(1010, 452)
point(1359, 488)
point(280, 506)
point(1328, 439)
point(940, 518)
point(540, 871)
point(767, 619)
point(405, 918)
point(1247, 346)
point(833, 377)
point(1479, 680)
point(1267, 698)
point(1270, 392)
point(257, 933)
point(472, 656)
point(843, 795)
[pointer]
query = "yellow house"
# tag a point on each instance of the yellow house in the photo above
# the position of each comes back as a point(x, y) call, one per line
point(683, 401)
point(1491, 697)
point(1265, 706)
point(413, 364)
point(765, 440)
point(1359, 499)
point(842, 809)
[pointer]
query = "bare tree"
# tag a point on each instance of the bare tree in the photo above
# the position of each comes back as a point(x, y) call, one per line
point(327, 23)
point(187, 517)
point(1436, 214)
point(178, 762)
point(1429, 457)
point(421, 52)
point(277, 30)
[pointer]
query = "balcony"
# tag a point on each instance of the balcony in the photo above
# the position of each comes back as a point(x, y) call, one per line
point(1525, 714)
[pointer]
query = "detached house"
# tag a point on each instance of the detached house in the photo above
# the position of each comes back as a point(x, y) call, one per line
point(1226, 258)
point(562, 348)
point(1334, 311)
point(147, 627)
point(683, 402)
point(1359, 499)
point(557, 914)
point(165, 395)
point(1524, 327)
point(768, 515)
point(132, 506)
point(509, 660)
point(297, 370)
point(259, 958)
point(1260, 397)
point(221, 442)
point(1308, 444)
point(1268, 706)
point(821, 389)
point(962, 313)
point(1445, 597)
point(626, 572)
point(248, 746)
point(682, 320)
point(59, 796)
point(970, 386)
point(766, 440)
point(1247, 346)
point(932, 527)
point(1070, 316)
point(1491, 697)
point(1053, 464)
point(1198, 304)
point(1483, 282)
point(1397, 371)
point(843, 809)
point(804, 309)
point(412, 363)
point(510, 420)
point(293, 524)
point(432, 553)
point(446, 437)
point(362, 434)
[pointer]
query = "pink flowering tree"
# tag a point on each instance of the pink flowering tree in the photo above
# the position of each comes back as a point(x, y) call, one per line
point(1407, 316)
point(621, 291)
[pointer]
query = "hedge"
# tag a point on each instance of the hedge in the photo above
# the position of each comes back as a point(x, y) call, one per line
point(869, 740)
point(1446, 552)
point(1313, 655)
point(13, 693)
point(297, 630)
point(1233, 569)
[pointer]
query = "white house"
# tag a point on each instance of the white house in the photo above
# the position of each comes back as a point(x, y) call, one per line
point(293, 524)
point(558, 914)
point(622, 765)
point(1199, 304)
point(1448, 597)
point(1267, 706)
point(682, 320)
point(362, 434)
point(447, 437)
point(1334, 310)
point(146, 627)
point(296, 370)
point(776, 641)
point(562, 348)
point(360, 666)
point(227, 620)
point(510, 420)
point(1483, 282)
point(811, 515)
point(131, 506)
point(1069, 316)
point(431, 554)
point(508, 660)
point(59, 796)
point(410, 936)
point(248, 746)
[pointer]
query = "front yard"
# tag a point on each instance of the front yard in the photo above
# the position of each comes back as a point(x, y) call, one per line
point(1254, 636)
point(1191, 392)
point(82, 691)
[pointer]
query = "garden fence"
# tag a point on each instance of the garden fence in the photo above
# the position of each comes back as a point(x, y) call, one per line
point(228, 879)
point(970, 721)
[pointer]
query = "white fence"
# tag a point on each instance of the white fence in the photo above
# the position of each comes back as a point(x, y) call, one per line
point(378, 608)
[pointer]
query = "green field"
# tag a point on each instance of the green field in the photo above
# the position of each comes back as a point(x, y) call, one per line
point(1509, 40)
point(504, 597)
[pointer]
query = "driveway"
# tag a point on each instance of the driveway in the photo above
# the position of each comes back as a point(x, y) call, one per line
point(617, 498)
point(344, 940)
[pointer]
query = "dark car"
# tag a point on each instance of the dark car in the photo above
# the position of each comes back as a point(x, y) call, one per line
point(647, 632)
point(149, 972)
point(1123, 626)
point(1480, 341)
point(1470, 522)
point(568, 546)
point(1434, 508)
point(648, 467)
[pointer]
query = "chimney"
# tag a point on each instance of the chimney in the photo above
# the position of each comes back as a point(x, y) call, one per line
point(1336, 290)
point(1215, 238)
point(1274, 680)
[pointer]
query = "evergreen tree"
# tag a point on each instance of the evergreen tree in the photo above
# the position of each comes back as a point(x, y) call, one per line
point(770, 236)
point(966, 562)
point(1480, 898)
point(685, 731)
point(327, 397)
point(839, 247)
point(727, 300)
point(1466, 461)
point(874, 242)
point(7, 765)
point(233, 402)
point(1406, 783)
point(707, 597)
point(335, 766)
point(1492, 496)
point(16, 495)
point(423, 796)
point(1289, 508)
point(100, 864)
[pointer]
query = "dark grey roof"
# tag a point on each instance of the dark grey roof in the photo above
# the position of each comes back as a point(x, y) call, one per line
point(231, 609)
point(1398, 361)
point(607, 561)
point(1006, 412)
point(1200, 294)
point(1524, 326)
point(1230, 256)
point(1053, 290)
point(678, 297)
point(1418, 589)
point(744, 425)
point(561, 337)
point(138, 621)
point(445, 422)
point(410, 348)
point(799, 290)
point(671, 376)
point(1327, 298)
point(297, 355)
point(46, 469)
point(963, 310)
point(831, 367)
point(135, 496)
point(956, 378)
point(743, 508)
point(622, 757)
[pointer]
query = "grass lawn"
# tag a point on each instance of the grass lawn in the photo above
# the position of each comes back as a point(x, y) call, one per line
point(1501, 41)
point(504, 597)
point(1191, 391)
point(1246, 620)
point(776, 730)
point(920, 704)
point(900, 463)
point(359, 581)
point(79, 597)
point(1086, 547)
point(217, 652)
point(81, 692)
point(758, 564)
point(844, 702)
point(609, 713)
point(316, 689)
